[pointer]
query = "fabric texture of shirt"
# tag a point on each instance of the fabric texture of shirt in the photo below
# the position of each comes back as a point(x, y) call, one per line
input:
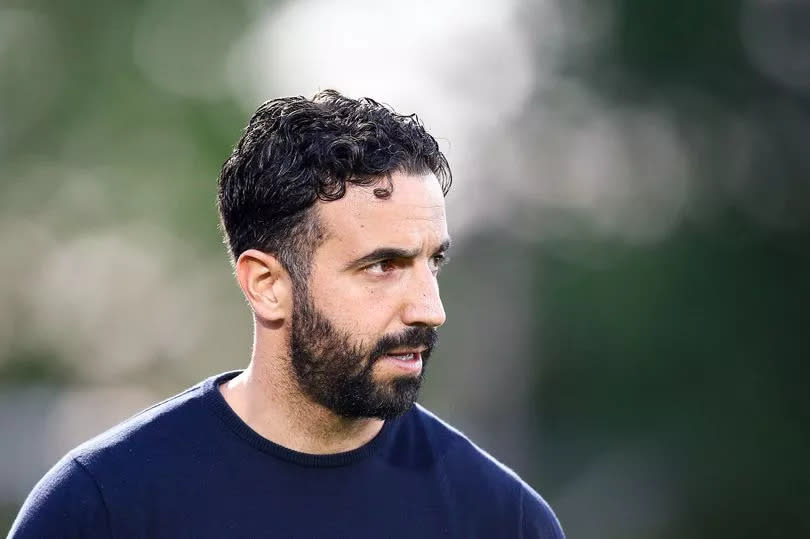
point(190, 467)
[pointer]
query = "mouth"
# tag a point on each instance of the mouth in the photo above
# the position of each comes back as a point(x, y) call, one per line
point(404, 360)
point(405, 354)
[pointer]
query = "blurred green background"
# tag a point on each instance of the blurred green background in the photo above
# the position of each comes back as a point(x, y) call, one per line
point(626, 305)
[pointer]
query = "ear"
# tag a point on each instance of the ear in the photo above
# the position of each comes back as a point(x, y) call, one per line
point(266, 285)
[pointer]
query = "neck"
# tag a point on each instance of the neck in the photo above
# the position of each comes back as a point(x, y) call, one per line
point(267, 398)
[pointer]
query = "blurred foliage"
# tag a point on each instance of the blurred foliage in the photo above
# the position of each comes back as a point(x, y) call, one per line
point(30, 366)
point(77, 91)
point(692, 351)
point(695, 350)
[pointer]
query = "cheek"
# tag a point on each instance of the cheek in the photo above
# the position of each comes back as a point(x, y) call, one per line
point(360, 302)
point(360, 309)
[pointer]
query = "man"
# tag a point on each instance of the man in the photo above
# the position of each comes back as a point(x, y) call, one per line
point(333, 212)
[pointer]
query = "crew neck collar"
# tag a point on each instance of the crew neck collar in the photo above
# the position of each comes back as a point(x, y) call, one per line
point(212, 396)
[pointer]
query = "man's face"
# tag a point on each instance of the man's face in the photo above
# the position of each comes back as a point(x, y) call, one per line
point(364, 327)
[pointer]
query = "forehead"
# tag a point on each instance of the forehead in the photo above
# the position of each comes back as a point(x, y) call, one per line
point(413, 216)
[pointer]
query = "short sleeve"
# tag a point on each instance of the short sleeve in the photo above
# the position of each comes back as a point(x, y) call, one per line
point(66, 503)
point(538, 521)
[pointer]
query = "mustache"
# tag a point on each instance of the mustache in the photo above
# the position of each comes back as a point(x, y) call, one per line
point(413, 337)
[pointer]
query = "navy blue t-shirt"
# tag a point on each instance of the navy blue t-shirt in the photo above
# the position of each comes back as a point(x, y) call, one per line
point(190, 467)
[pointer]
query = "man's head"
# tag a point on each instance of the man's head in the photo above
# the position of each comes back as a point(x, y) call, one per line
point(333, 211)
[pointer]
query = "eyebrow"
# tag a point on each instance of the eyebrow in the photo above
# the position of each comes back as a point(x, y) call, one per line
point(385, 253)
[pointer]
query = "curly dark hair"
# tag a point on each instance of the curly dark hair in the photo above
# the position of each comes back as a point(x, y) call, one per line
point(295, 151)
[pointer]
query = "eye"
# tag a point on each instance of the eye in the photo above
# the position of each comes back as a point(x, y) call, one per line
point(381, 267)
point(437, 261)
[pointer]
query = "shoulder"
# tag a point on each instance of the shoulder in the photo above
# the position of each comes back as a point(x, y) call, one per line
point(477, 473)
point(457, 451)
point(156, 435)
point(155, 427)
point(75, 492)
point(65, 503)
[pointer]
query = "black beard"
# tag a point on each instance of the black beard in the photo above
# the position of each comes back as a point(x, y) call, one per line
point(337, 373)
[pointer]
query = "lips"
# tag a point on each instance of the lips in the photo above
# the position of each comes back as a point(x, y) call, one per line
point(405, 351)
point(406, 356)
point(404, 362)
point(417, 342)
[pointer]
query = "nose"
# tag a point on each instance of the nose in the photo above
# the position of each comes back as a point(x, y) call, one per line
point(423, 305)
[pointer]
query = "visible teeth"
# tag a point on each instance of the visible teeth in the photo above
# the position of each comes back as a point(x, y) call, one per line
point(402, 357)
